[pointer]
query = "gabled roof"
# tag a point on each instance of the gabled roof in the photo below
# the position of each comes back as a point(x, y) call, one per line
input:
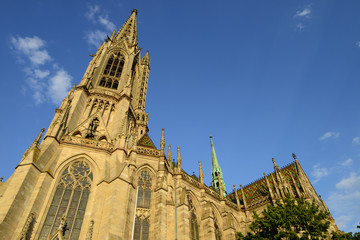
point(146, 141)
point(258, 189)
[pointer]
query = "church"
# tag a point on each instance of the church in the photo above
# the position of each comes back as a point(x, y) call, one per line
point(96, 174)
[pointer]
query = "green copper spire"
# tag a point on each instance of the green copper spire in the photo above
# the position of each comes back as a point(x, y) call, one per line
point(216, 171)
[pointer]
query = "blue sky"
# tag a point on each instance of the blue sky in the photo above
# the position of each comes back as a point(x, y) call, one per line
point(266, 78)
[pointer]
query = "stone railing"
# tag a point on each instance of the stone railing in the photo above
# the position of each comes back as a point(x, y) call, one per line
point(208, 190)
point(190, 179)
point(230, 203)
point(261, 201)
point(148, 151)
point(213, 193)
point(104, 93)
point(87, 142)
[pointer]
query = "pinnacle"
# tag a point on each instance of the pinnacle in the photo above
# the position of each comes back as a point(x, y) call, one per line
point(129, 30)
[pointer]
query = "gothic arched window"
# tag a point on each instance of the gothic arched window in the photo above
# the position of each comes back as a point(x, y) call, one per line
point(113, 70)
point(217, 231)
point(69, 202)
point(115, 84)
point(194, 226)
point(102, 82)
point(142, 220)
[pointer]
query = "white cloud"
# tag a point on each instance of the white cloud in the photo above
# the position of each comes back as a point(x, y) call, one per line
point(303, 13)
point(352, 182)
point(110, 26)
point(97, 16)
point(300, 26)
point(347, 162)
point(32, 48)
point(356, 140)
point(319, 172)
point(59, 85)
point(38, 82)
point(328, 135)
point(41, 74)
point(95, 37)
point(344, 203)
point(92, 10)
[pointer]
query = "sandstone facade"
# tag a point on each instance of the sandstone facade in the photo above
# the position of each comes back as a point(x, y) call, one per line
point(97, 174)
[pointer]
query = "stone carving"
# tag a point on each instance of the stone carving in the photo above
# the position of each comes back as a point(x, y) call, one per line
point(27, 229)
point(147, 151)
point(87, 142)
point(90, 230)
point(142, 213)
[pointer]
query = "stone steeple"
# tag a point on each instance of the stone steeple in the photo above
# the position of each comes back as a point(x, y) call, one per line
point(110, 100)
point(129, 30)
point(216, 173)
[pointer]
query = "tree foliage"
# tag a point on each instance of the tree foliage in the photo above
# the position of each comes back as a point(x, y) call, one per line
point(289, 219)
point(345, 236)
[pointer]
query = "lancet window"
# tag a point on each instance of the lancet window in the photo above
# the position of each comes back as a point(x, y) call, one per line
point(112, 71)
point(217, 231)
point(69, 202)
point(194, 226)
point(142, 220)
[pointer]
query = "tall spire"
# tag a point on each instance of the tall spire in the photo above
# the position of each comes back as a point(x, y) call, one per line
point(216, 171)
point(129, 30)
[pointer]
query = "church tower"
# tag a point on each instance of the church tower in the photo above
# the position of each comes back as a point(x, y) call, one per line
point(80, 180)
point(97, 175)
point(216, 174)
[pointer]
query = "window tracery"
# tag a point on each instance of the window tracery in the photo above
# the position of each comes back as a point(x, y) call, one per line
point(194, 226)
point(69, 201)
point(142, 220)
point(112, 71)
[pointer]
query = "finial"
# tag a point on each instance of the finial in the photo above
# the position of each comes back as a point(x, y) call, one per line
point(169, 154)
point(162, 141)
point(71, 91)
point(220, 186)
point(135, 11)
point(294, 156)
point(201, 174)
point(236, 197)
point(1, 178)
point(275, 165)
point(243, 196)
point(178, 157)
point(38, 138)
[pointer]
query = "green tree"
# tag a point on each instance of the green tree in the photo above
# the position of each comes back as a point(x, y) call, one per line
point(345, 236)
point(289, 219)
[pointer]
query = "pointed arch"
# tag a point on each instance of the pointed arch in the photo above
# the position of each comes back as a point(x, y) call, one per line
point(95, 168)
point(218, 221)
point(69, 201)
point(194, 220)
point(113, 69)
point(145, 180)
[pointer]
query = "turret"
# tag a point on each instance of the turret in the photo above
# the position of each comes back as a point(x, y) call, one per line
point(216, 171)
